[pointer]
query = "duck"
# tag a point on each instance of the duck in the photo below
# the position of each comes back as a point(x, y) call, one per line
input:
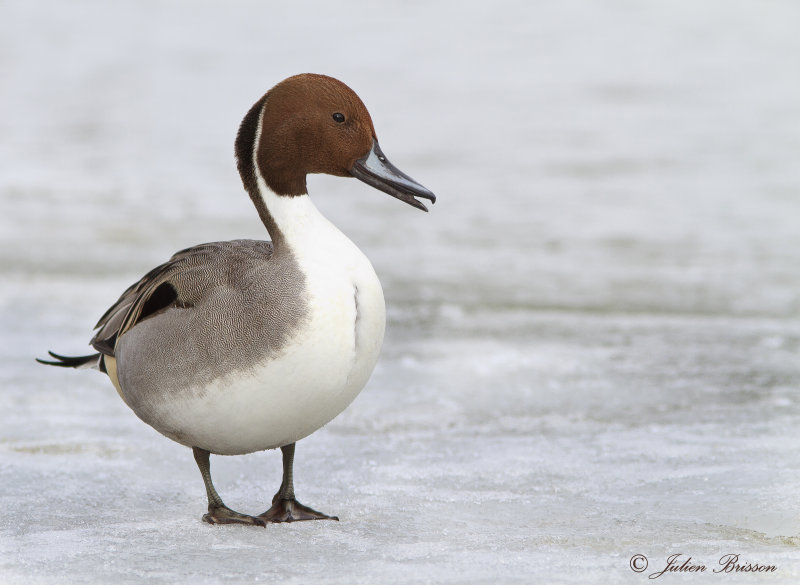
point(242, 346)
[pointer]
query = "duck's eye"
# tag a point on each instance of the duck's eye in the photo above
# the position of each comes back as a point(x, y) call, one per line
point(338, 117)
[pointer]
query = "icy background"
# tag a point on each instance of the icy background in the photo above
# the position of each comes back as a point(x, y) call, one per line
point(593, 347)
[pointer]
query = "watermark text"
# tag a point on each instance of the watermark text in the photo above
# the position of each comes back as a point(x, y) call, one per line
point(681, 563)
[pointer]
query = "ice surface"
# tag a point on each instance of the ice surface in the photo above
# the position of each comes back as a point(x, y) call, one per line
point(593, 347)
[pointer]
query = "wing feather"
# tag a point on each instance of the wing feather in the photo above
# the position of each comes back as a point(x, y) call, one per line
point(180, 282)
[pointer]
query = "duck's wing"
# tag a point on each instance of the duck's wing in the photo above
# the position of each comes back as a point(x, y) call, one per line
point(183, 281)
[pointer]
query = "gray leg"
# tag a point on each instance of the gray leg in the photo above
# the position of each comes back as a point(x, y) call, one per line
point(285, 508)
point(218, 512)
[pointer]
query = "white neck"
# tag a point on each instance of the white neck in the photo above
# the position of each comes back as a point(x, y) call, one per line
point(296, 216)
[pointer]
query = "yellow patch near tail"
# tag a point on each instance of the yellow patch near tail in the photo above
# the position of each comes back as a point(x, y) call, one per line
point(111, 369)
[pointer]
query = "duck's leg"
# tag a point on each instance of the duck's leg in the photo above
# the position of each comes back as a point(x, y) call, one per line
point(284, 507)
point(218, 512)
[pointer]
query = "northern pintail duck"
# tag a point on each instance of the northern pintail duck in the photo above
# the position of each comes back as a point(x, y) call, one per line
point(241, 346)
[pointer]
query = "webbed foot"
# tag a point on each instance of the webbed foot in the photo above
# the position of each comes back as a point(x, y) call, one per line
point(290, 510)
point(224, 515)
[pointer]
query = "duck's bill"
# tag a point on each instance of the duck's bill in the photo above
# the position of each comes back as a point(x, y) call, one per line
point(376, 170)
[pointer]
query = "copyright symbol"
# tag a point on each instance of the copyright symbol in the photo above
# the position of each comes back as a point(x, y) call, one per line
point(638, 563)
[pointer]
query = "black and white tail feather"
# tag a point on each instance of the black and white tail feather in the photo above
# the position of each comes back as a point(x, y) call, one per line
point(83, 362)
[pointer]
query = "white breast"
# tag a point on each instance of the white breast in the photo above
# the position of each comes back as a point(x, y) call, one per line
point(323, 368)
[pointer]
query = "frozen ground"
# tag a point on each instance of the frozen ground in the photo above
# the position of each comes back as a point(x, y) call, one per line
point(593, 347)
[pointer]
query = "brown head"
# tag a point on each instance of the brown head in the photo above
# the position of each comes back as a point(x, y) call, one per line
point(315, 124)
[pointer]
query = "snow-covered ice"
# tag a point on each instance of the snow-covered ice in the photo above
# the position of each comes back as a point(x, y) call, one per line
point(593, 347)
